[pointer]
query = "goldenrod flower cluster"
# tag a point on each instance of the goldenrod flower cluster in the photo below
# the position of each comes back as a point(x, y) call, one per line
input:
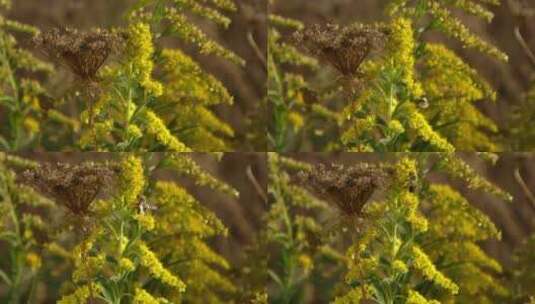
point(190, 33)
point(141, 49)
point(155, 126)
point(20, 92)
point(424, 264)
point(126, 239)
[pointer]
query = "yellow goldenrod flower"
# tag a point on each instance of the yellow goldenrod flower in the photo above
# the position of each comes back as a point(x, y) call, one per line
point(360, 126)
point(296, 120)
point(31, 125)
point(456, 29)
point(192, 34)
point(402, 47)
point(156, 127)
point(126, 264)
point(457, 168)
point(149, 260)
point(418, 124)
point(422, 263)
point(81, 294)
point(141, 50)
point(415, 297)
point(132, 179)
point(352, 297)
point(189, 83)
point(33, 261)
point(399, 266)
point(143, 297)
point(146, 221)
point(186, 166)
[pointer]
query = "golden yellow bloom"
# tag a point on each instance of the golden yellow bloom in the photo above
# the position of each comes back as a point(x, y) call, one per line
point(126, 264)
point(149, 260)
point(360, 127)
point(192, 34)
point(422, 262)
point(33, 261)
point(141, 49)
point(306, 262)
point(186, 166)
point(352, 297)
point(81, 294)
point(146, 221)
point(415, 297)
point(143, 297)
point(418, 124)
point(456, 29)
point(156, 127)
point(189, 83)
point(31, 125)
point(399, 266)
point(132, 179)
point(296, 120)
point(402, 47)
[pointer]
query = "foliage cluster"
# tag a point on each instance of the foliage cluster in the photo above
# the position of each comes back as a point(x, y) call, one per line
point(149, 97)
point(414, 95)
point(414, 241)
point(144, 240)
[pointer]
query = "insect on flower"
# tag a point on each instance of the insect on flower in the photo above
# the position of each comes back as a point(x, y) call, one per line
point(83, 52)
point(73, 186)
point(345, 48)
point(144, 205)
point(348, 188)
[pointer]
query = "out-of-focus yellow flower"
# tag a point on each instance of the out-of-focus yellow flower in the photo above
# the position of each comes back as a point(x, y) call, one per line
point(143, 297)
point(126, 264)
point(146, 221)
point(296, 120)
point(31, 125)
point(81, 294)
point(352, 297)
point(415, 297)
point(306, 262)
point(192, 34)
point(359, 127)
point(33, 261)
point(184, 165)
point(399, 266)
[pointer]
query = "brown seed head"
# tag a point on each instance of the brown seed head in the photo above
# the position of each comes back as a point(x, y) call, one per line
point(83, 52)
point(73, 186)
point(349, 188)
point(345, 48)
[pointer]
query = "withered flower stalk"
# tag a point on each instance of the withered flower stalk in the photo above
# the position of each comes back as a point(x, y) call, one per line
point(345, 48)
point(73, 186)
point(348, 188)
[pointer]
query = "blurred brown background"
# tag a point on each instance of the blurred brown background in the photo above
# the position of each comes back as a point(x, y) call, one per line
point(511, 80)
point(246, 84)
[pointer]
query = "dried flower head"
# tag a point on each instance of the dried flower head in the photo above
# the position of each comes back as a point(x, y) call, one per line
point(349, 188)
point(73, 186)
point(83, 52)
point(345, 48)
